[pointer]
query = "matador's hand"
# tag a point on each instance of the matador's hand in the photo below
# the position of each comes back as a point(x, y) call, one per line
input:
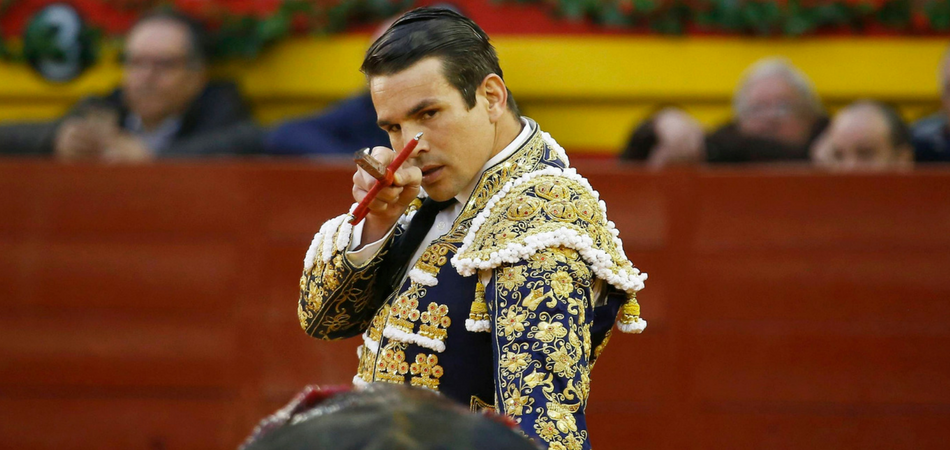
point(391, 201)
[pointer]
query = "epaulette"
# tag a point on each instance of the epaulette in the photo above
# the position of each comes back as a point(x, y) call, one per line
point(550, 208)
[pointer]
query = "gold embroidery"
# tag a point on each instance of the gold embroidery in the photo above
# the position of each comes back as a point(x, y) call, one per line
point(478, 405)
point(428, 369)
point(435, 321)
point(548, 331)
point(586, 209)
point(367, 360)
point(404, 311)
point(567, 204)
point(562, 284)
point(553, 189)
point(391, 365)
point(516, 402)
point(434, 257)
point(563, 416)
point(511, 277)
point(562, 210)
point(524, 207)
point(546, 375)
point(513, 322)
point(337, 323)
point(479, 310)
point(379, 322)
point(514, 362)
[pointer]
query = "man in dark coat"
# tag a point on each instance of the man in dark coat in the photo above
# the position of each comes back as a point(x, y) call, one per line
point(164, 107)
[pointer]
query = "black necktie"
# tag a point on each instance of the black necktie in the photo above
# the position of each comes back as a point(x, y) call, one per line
point(401, 251)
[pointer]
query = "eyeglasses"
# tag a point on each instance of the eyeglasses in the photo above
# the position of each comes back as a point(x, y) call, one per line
point(156, 64)
point(780, 109)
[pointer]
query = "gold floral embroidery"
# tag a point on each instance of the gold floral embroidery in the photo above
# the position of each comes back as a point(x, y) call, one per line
point(391, 365)
point(546, 378)
point(434, 257)
point(563, 416)
point(516, 402)
point(539, 378)
point(513, 322)
point(546, 429)
point(568, 204)
point(561, 362)
point(511, 277)
point(428, 369)
point(514, 362)
point(404, 311)
point(435, 321)
point(562, 284)
point(548, 332)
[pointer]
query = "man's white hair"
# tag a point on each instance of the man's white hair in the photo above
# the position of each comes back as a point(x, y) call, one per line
point(776, 67)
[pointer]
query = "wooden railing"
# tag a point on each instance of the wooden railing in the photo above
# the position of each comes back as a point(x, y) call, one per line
point(154, 306)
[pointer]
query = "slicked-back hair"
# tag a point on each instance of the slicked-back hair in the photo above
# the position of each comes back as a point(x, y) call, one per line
point(462, 46)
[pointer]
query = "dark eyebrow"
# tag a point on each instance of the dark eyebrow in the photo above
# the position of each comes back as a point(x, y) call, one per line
point(412, 111)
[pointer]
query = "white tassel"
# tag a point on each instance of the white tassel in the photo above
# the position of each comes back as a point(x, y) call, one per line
point(636, 327)
point(477, 326)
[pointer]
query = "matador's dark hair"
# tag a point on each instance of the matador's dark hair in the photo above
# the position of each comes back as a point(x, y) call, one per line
point(462, 46)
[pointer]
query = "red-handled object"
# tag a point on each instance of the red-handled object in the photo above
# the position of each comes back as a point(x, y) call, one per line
point(360, 212)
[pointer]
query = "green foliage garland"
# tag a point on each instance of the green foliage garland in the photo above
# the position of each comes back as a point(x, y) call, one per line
point(761, 17)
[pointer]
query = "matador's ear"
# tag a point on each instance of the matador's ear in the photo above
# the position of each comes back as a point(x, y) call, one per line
point(495, 91)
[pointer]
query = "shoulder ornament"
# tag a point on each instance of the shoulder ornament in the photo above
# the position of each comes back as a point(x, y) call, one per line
point(548, 208)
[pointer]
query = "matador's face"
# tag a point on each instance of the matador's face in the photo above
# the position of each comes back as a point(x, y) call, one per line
point(457, 140)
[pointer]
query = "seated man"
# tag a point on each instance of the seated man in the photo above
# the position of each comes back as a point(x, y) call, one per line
point(931, 135)
point(777, 117)
point(165, 106)
point(347, 127)
point(866, 135)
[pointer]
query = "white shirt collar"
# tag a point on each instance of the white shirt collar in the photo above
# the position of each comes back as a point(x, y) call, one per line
point(522, 137)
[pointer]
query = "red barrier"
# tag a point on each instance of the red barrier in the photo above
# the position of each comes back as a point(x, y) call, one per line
point(154, 306)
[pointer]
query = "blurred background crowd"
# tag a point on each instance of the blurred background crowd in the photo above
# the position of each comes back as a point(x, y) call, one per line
point(169, 97)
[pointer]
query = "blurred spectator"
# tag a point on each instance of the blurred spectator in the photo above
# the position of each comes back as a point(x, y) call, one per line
point(777, 115)
point(345, 128)
point(342, 130)
point(165, 106)
point(383, 416)
point(931, 135)
point(865, 136)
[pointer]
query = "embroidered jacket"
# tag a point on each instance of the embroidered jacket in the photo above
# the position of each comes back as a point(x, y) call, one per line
point(508, 310)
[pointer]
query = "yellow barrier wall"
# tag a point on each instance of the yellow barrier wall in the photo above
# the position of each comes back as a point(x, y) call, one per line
point(586, 90)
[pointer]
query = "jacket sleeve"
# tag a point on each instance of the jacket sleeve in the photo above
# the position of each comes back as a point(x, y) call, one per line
point(541, 317)
point(338, 299)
